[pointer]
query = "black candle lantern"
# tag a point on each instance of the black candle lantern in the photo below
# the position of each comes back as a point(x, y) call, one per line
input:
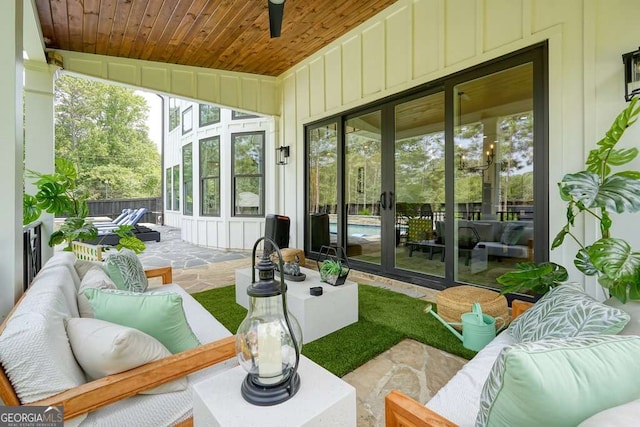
point(268, 340)
point(631, 62)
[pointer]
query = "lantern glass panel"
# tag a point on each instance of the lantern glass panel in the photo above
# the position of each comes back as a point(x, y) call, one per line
point(264, 344)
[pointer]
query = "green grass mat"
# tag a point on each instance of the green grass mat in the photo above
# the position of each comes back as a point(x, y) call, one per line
point(385, 318)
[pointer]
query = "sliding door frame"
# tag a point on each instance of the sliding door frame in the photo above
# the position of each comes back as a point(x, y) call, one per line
point(535, 54)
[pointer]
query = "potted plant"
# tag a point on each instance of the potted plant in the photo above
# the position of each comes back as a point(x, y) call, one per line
point(57, 195)
point(596, 192)
point(333, 266)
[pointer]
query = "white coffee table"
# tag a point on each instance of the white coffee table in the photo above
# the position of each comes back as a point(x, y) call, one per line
point(323, 400)
point(318, 316)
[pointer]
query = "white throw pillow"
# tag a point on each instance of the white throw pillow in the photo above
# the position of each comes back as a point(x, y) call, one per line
point(103, 348)
point(82, 266)
point(95, 277)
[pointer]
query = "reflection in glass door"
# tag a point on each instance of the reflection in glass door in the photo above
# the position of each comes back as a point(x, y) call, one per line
point(493, 146)
point(363, 178)
point(322, 185)
point(419, 185)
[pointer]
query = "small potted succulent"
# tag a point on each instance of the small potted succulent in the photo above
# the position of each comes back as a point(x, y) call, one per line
point(333, 266)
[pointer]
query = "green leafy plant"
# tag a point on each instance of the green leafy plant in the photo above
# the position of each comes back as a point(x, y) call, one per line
point(596, 192)
point(57, 194)
point(532, 277)
point(128, 239)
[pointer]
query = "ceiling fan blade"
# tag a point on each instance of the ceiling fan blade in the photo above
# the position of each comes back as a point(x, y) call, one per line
point(276, 11)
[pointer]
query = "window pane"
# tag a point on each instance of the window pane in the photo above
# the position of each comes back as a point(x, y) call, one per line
point(363, 174)
point(248, 169)
point(176, 188)
point(211, 197)
point(174, 114)
point(209, 114)
point(494, 199)
point(248, 191)
point(419, 184)
point(187, 178)
point(187, 120)
point(238, 115)
point(247, 154)
point(210, 176)
point(323, 182)
point(167, 189)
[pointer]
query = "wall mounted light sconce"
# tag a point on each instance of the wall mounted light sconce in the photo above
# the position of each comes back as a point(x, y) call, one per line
point(631, 62)
point(282, 155)
point(462, 165)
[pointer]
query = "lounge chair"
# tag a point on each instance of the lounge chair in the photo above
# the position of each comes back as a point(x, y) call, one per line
point(122, 217)
point(106, 236)
point(131, 218)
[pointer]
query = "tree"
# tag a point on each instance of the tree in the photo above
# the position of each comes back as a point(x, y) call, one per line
point(102, 129)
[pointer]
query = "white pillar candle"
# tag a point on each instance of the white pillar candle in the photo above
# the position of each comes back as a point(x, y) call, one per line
point(269, 353)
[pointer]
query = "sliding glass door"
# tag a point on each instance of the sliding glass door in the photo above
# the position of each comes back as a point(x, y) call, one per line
point(363, 183)
point(494, 153)
point(442, 185)
point(420, 184)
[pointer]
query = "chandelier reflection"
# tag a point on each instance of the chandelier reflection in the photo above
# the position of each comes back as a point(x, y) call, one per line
point(490, 156)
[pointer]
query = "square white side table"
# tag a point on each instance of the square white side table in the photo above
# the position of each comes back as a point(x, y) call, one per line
point(323, 400)
point(318, 316)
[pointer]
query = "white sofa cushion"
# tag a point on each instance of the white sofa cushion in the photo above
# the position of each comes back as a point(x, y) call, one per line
point(168, 408)
point(103, 348)
point(34, 348)
point(459, 399)
point(625, 415)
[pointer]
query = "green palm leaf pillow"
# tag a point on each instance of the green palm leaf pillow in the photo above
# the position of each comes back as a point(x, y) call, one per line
point(566, 311)
point(126, 271)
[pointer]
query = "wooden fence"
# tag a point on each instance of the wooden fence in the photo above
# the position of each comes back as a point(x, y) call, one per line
point(113, 207)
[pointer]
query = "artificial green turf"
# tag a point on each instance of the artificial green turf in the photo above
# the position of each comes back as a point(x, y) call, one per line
point(384, 319)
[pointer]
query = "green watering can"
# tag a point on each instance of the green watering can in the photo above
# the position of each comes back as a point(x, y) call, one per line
point(478, 329)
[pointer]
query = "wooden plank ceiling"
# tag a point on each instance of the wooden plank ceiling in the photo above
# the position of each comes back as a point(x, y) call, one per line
point(221, 34)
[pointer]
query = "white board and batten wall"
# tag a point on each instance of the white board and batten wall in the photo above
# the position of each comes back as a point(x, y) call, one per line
point(225, 231)
point(417, 41)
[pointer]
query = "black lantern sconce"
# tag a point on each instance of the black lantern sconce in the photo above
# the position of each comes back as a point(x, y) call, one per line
point(282, 155)
point(269, 339)
point(631, 62)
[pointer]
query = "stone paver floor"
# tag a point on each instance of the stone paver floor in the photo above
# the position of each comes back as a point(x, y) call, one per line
point(416, 369)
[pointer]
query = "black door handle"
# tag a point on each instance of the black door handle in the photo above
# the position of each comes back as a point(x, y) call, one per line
point(390, 199)
point(383, 200)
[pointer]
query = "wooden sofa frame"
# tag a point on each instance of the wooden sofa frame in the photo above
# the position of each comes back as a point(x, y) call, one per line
point(113, 388)
point(403, 411)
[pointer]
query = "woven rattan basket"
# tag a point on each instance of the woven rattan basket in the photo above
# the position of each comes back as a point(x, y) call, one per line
point(453, 302)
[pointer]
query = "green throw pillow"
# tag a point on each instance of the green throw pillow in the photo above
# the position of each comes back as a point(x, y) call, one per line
point(159, 314)
point(560, 382)
point(125, 269)
point(566, 311)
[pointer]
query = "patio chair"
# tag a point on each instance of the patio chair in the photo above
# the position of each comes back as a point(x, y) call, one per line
point(131, 218)
point(119, 219)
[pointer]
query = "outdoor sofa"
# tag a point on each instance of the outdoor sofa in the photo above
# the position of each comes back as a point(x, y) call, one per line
point(558, 364)
point(40, 366)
